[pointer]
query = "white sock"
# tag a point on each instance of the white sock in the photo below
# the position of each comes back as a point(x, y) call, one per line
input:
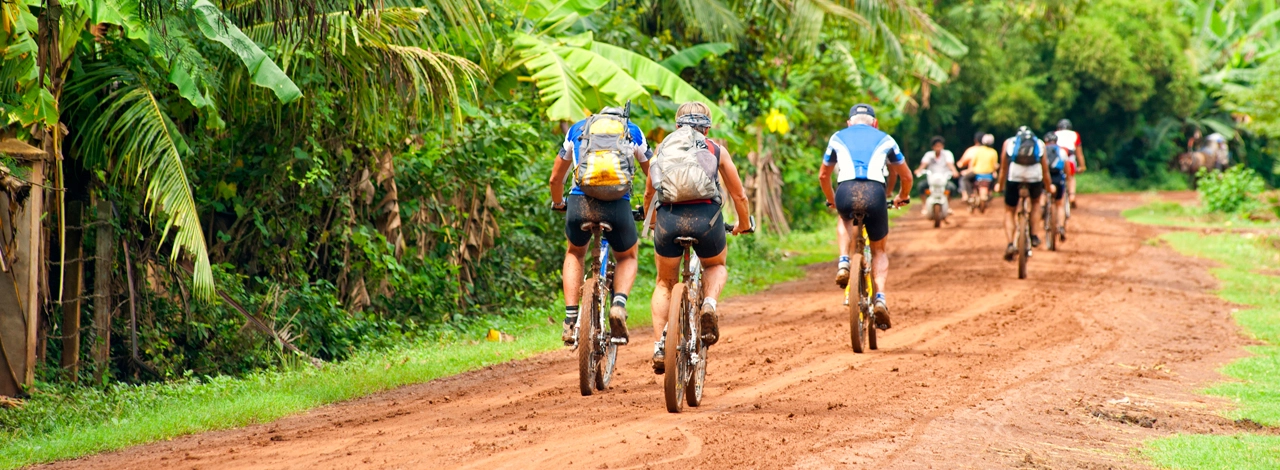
point(709, 301)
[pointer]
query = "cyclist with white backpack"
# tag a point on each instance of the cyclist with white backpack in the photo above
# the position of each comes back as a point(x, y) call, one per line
point(1022, 165)
point(683, 194)
point(603, 150)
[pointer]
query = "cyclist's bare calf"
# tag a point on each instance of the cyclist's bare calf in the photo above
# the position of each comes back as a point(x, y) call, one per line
point(1011, 214)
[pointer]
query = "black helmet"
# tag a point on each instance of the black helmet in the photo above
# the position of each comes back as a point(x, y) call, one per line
point(1050, 137)
point(1064, 124)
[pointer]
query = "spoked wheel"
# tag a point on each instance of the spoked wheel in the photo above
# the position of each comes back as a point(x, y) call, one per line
point(697, 372)
point(588, 329)
point(608, 356)
point(935, 213)
point(1051, 226)
point(859, 320)
point(677, 368)
point(864, 282)
point(1023, 244)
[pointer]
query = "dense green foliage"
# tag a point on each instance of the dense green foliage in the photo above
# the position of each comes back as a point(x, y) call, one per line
point(360, 174)
point(1231, 192)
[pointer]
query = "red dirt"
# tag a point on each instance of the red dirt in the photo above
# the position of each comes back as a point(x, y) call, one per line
point(1100, 349)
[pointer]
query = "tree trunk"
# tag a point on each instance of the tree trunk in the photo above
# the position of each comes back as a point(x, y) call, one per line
point(103, 259)
point(72, 290)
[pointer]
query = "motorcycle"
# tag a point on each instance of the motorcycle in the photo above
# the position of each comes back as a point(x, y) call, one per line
point(937, 206)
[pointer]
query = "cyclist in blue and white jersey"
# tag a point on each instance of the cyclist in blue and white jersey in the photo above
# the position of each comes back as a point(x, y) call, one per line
point(862, 157)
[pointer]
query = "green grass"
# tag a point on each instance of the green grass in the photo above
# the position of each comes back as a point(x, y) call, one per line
point(1247, 280)
point(1093, 182)
point(1173, 214)
point(61, 422)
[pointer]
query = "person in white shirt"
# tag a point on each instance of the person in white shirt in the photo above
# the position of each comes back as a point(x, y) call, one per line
point(1022, 164)
point(938, 161)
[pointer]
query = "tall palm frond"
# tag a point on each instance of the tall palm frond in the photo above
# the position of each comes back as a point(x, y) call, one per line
point(130, 137)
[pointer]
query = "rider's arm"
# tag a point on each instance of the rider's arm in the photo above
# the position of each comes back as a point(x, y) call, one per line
point(733, 185)
point(903, 173)
point(955, 172)
point(1044, 170)
point(923, 161)
point(558, 172)
point(1079, 158)
point(829, 159)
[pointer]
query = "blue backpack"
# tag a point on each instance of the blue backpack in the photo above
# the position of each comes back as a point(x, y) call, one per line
point(1028, 154)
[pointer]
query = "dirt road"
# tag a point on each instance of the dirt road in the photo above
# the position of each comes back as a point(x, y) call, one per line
point(1101, 348)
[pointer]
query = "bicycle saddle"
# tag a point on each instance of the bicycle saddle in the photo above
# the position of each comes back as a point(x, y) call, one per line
point(591, 226)
point(686, 241)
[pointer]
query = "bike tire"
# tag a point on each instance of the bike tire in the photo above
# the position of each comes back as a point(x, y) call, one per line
point(1023, 244)
point(935, 213)
point(697, 377)
point(586, 338)
point(673, 377)
point(870, 314)
point(858, 318)
point(1051, 227)
point(608, 358)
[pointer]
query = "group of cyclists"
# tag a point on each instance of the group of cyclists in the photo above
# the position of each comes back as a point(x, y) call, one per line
point(1041, 165)
point(865, 162)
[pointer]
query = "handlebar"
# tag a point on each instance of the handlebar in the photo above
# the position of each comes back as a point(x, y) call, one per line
point(729, 227)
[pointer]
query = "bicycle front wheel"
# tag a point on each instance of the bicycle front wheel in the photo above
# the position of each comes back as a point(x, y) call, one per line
point(608, 350)
point(588, 325)
point(676, 358)
point(1023, 243)
point(858, 313)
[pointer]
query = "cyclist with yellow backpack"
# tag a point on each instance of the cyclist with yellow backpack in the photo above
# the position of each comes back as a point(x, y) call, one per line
point(603, 150)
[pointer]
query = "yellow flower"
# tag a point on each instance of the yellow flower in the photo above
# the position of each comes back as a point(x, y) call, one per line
point(777, 122)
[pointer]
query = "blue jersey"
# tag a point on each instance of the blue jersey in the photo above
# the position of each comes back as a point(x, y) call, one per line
point(862, 152)
point(569, 151)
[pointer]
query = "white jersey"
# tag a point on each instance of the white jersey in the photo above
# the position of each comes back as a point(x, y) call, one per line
point(1068, 140)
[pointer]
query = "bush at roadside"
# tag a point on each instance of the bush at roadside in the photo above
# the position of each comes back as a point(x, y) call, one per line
point(1230, 192)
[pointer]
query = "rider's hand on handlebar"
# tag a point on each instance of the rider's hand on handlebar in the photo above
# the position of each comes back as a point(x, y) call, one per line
point(901, 201)
point(559, 206)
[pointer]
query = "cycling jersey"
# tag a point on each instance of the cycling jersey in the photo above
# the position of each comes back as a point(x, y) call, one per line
point(862, 152)
point(982, 159)
point(1069, 140)
point(572, 140)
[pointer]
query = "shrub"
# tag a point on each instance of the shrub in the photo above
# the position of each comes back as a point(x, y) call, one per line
point(1231, 191)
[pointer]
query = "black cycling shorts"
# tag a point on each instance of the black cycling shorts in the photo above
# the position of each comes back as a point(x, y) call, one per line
point(1011, 190)
point(701, 221)
point(866, 199)
point(587, 209)
point(1059, 180)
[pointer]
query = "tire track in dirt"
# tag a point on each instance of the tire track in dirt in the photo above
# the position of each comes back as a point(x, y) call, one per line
point(1101, 348)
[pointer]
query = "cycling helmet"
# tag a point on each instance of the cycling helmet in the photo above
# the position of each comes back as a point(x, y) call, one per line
point(988, 140)
point(612, 111)
point(694, 120)
point(1064, 124)
point(1025, 133)
point(1050, 138)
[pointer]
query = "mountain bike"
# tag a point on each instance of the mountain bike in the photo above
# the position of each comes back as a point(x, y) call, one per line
point(861, 316)
point(596, 347)
point(1022, 232)
point(686, 353)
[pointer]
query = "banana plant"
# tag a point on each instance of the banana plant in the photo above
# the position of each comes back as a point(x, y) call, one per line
point(575, 74)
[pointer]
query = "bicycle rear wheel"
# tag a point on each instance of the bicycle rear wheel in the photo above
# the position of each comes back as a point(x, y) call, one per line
point(677, 367)
point(587, 328)
point(1051, 225)
point(858, 319)
point(1023, 243)
point(608, 352)
point(868, 313)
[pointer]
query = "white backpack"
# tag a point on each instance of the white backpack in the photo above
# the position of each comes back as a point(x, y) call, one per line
point(685, 169)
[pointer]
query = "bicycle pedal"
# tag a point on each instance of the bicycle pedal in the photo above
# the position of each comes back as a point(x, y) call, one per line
point(619, 341)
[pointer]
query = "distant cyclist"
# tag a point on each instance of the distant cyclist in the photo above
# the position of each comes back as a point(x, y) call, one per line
point(1069, 140)
point(1022, 165)
point(863, 156)
point(981, 160)
point(687, 169)
point(938, 161)
point(600, 149)
point(1057, 157)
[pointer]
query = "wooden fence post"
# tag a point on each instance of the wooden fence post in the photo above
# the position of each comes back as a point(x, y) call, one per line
point(104, 256)
point(72, 290)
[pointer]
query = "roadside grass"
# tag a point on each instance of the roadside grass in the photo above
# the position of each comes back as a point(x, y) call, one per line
point(63, 422)
point(1173, 214)
point(1249, 278)
point(1101, 181)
